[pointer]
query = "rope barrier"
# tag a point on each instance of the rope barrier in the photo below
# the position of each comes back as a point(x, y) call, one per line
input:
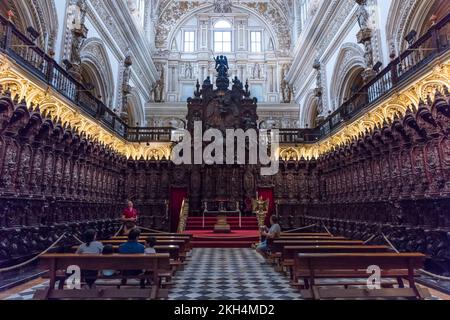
point(119, 231)
point(36, 257)
point(302, 228)
point(370, 239)
point(421, 270)
point(390, 243)
point(434, 275)
point(151, 230)
point(76, 238)
point(326, 229)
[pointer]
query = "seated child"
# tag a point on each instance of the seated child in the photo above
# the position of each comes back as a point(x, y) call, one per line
point(108, 250)
point(150, 243)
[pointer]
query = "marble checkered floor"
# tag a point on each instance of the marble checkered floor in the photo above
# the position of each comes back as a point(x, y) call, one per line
point(230, 274)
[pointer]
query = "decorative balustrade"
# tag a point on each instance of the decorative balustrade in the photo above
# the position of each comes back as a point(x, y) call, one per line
point(22, 50)
point(431, 45)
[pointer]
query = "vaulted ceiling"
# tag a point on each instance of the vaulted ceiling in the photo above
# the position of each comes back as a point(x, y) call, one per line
point(276, 13)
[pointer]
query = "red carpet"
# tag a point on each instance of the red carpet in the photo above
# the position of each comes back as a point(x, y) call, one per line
point(240, 237)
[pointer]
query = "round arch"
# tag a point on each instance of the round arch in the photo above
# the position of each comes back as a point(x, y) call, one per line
point(97, 71)
point(405, 16)
point(348, 67)
point(310, 111)
point(134, 109)
point(39, 14)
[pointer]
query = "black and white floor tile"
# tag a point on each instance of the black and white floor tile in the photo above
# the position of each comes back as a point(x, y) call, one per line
point(230, 274)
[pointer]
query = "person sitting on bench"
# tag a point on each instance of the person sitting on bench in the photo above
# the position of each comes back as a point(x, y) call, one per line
point(132, 246)
point(108, 250)
point(150, 244)
point(90, 247)
point(269, 234)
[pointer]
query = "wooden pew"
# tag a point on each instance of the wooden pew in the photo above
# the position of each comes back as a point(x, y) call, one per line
point(290, 252)
point(182, 244)
point(172, 250)
point(157, 264)
point(279, 244)
point(311, 267)
point(158, 237)
point(306, 234)
point(285, 237)
point(151, 234)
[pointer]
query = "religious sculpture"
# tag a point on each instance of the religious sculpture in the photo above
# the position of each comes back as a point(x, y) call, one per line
point(158, 87)
point(79, 34)
point(126, 89)
point(363, 14)
point(222, 6)
point(364, 37)
point(222, 66)
point(260, 207)
point(257, 72)
point(319, 89)
point(188, 71)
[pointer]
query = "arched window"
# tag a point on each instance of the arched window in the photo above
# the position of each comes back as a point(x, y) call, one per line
point(222, 36)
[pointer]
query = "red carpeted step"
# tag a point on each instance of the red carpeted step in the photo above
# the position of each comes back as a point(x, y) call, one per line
point(236, 239)
point(222, 244)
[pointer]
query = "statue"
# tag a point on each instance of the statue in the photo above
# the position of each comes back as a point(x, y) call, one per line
point(126, 90)
point(363, 14)
point(260, 207)
point(222, 66)
point(222, 6)
point(286, 92)
point(257, 71)
point(158, 87)
point(188, 71)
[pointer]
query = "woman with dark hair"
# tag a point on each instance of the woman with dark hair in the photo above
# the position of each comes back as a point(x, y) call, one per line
point(129, 218)
point(90, 247)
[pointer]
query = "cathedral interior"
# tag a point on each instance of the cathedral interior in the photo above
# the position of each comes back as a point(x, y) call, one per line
point(352, 97)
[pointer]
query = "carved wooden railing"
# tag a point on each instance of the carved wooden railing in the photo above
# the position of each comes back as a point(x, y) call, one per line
point(430, 46)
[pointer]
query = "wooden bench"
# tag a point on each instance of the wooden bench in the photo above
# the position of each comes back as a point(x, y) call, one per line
point(186, 239)
point(307, 234)
point(279, 244)
point(155, 264)
point(311, 267)
point(289, 253)
point(153, 234)
point(286, 237)
point(173, 251)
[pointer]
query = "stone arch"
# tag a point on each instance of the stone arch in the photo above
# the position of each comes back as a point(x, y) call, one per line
point(405, 16)
point(39, 14)
point(349, 65)
point(134, 109)
point(310, 111)
point(96, 69)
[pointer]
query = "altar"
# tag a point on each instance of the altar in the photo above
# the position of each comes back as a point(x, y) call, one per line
point(220, 209)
